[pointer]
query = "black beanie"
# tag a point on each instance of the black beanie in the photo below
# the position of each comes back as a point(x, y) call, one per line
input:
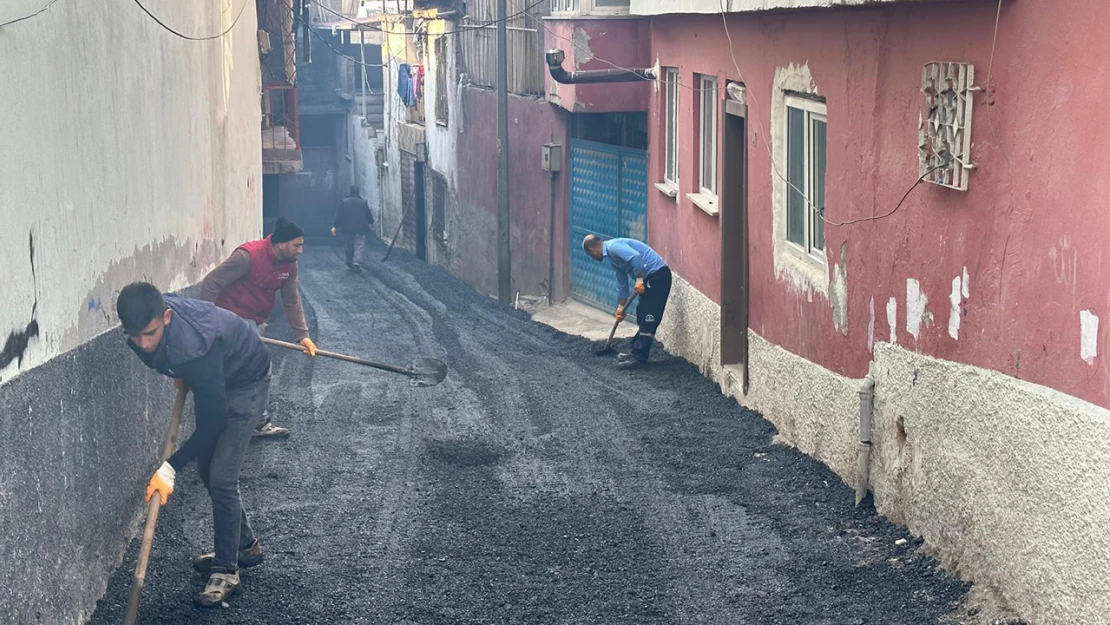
point(285, 230)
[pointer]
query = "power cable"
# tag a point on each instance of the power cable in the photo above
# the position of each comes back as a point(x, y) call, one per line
point(27, 17)
point(242, 7)
point(467, 29)
point(821, 212)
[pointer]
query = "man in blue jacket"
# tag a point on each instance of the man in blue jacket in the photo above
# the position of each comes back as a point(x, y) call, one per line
point(221, 359)
point(634, 260)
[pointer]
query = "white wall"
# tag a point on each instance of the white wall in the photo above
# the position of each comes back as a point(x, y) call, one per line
point(127, 153)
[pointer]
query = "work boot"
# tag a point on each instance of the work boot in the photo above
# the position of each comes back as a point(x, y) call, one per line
point(356, 267)
point(624, 356)
point(271, 431)
point(631, 363)
point(219, 589)
point(248, 557)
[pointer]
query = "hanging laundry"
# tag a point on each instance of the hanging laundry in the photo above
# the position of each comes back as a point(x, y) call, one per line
point(404, 85)
point(418, 82)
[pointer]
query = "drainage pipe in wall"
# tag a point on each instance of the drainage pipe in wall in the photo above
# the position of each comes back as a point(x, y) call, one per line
point(863, 460)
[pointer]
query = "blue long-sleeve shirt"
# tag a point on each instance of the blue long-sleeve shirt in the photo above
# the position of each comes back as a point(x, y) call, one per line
point(631, 258)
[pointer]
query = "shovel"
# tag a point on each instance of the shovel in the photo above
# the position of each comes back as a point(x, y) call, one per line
point(152, 517)
point(608, 347)
point(423, 372)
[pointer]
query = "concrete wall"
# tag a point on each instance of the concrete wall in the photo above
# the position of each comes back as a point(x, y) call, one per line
point(532, 123)
point(1007, 482)
point(129, 153)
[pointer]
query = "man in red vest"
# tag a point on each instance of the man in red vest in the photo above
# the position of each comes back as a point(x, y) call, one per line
point(245, 284)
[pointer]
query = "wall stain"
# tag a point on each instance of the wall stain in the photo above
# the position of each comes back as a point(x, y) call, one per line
point(16, 345)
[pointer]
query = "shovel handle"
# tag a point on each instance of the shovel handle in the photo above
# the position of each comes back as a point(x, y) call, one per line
point(152, 516)
point(343, 357)
point(613, 332)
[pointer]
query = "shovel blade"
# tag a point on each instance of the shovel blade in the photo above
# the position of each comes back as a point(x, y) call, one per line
point(428, 372)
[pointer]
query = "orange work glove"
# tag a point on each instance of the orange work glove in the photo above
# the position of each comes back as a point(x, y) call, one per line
point(161, 482)
point(620, 313)
point(309, 346)
point(640, 286)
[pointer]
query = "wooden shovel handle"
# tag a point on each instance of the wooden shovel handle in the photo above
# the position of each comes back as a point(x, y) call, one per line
point(152, 516)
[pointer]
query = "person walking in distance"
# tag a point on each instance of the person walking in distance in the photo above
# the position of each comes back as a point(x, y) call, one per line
point(223, 361)
point(245, 284)
point(353, 220)
point(634, 260)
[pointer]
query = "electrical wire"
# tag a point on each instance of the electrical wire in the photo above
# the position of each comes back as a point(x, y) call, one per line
point(994, 43)
point(27, 17)
point(821, 213)
point(467, 29)
point(242, 7)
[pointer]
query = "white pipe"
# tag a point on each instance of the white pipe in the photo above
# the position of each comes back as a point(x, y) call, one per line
point(863, 459)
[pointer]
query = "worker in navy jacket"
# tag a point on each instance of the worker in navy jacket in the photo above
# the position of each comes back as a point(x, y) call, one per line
point(215, 354)
point(636, 261)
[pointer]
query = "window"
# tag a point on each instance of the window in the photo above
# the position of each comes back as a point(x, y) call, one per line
point(670, 132)
point(806, 140)
point(441, 80)
point(707, 140)
point(564, 8)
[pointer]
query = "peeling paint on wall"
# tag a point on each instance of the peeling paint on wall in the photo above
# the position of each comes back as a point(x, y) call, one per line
point(954, 299)
point(871, 325)
point(966, 288)
point(1088, 333)
point(838, 295)
point(915, 307)
point(582, 52)
point(892, 319)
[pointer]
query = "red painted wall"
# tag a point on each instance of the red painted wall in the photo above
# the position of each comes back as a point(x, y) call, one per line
point(588, 44)
point(1031, 230)
point(532, 123)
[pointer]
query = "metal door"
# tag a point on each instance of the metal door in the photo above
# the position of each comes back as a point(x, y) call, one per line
point(608, 197)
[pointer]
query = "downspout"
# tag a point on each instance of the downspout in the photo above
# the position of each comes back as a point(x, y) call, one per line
point(555, 60)
point(863, 460)
point(551, 246)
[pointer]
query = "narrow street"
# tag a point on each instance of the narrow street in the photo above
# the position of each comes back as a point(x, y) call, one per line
point(535, 485)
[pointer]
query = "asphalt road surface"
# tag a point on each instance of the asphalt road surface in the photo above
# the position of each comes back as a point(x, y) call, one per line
point(535, 485)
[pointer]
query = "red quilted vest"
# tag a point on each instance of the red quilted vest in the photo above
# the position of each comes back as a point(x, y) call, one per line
point(252, 296)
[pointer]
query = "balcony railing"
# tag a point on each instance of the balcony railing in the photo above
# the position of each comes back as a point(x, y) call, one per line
point(281, 132)
point(280, 128)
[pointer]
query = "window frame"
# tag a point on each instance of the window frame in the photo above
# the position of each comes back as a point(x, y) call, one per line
point(813, 111)
point(708, 120)
point(671, 132)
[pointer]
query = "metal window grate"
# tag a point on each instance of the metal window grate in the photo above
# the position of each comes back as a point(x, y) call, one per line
point(944, 129)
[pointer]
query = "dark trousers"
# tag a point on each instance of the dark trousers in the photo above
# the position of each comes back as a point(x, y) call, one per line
point(649, 312)
point(219, 470)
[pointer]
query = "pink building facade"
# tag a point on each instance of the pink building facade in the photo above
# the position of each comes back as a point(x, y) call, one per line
point(975, 312)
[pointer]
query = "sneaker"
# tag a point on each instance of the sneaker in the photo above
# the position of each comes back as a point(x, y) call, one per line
point(219, 589)
point(272, 431)
point(631, 363)
point(249, 557)
point(356, 267)
point(623, 357)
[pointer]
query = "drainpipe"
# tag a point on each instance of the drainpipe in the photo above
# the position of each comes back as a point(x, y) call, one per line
point(555, 60)
point(863, 460)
